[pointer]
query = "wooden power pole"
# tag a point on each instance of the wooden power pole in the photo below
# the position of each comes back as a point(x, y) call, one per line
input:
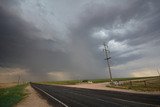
point(108, 58)
point(158, 71)
point(18, 80)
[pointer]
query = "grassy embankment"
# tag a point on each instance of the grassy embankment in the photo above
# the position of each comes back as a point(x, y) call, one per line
point(117, 79)
point(11, 96)
point(145, 84)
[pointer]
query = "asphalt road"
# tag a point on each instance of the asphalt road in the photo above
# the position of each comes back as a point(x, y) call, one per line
point(60, 96)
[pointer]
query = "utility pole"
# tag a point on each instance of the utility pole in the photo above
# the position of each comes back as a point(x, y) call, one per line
point(158, 71)
point(108, 58)
point(18, 79)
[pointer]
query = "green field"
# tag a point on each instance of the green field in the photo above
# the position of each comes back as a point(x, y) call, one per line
point(73, 82)
point(117, 79)
point(145, 84)
point(11, 96)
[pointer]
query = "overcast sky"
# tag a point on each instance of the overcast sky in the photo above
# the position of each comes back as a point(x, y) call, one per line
point(43, 40)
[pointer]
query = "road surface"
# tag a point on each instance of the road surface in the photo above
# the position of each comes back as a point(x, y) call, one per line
point(61, 96)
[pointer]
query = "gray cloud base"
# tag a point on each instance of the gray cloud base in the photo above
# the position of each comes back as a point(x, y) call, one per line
point(23, 45)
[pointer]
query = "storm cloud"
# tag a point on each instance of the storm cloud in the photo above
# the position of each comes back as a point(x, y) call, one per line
point(52, 40)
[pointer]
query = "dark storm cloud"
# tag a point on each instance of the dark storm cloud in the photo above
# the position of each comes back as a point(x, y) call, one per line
point(21, 47)
point(32, 42)
point(8, 3)
point(143, 34)
point(102, 17)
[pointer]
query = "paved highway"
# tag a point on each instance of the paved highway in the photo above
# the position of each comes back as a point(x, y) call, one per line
point(60, 96)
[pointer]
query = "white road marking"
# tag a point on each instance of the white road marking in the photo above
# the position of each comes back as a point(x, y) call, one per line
point(51, 96)
point(74, 92)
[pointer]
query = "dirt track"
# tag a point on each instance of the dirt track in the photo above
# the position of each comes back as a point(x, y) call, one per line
point(33, 99)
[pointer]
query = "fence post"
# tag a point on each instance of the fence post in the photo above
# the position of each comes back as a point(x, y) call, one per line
point(130, 83)
point(145, 84)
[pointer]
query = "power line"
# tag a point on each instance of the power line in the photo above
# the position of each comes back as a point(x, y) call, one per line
point(107, 58)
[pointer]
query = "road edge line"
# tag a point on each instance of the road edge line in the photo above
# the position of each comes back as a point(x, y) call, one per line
point(52, 97)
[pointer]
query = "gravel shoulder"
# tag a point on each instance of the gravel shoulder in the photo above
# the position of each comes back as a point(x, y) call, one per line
point(33, 99)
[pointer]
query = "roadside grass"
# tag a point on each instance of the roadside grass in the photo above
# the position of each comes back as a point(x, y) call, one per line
point(11, 96)
point(117, 79)
point(147, 84)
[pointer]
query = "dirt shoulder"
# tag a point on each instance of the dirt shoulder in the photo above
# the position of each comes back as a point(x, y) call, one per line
point(33, 99)
point(102, 86)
